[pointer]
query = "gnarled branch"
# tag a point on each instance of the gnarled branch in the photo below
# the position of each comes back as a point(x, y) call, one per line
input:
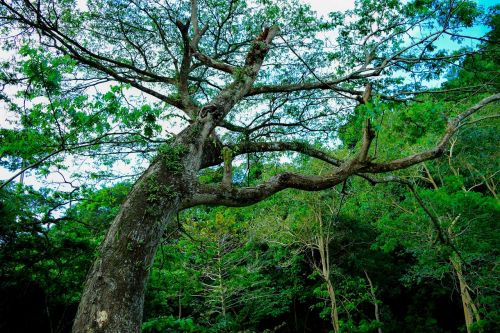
point(217, 195)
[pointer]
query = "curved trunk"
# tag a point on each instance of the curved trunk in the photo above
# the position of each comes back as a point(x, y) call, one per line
point(113, 296)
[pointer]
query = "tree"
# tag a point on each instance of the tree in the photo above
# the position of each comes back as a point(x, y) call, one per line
point(336, 249)
point(45, 259)
point(243, 77)
point(236, 292)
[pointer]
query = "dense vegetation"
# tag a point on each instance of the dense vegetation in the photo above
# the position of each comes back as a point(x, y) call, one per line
point(270, 266)
point(413, 251)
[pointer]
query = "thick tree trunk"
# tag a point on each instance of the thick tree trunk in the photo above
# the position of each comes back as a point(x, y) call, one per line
point(113, 296)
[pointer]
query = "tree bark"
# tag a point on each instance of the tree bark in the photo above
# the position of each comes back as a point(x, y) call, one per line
point(470, 310)
point(374, 299)
point(323, 244)
point(333, 303)
point(113, 296)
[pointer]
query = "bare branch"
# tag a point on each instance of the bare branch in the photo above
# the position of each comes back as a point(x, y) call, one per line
point(210, 62)
point(299, 147)
point(238, 197)
point(31, 166)
point(213, 194)
point(453, 126)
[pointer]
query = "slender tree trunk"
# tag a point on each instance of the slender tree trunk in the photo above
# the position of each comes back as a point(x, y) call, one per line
point(323, 242)
point(471, 312)
point(179, 300)
point(221, 284)
point(374, 299)
point(333, 303)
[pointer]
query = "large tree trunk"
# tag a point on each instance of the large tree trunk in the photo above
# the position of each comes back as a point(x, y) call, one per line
point(113, 296)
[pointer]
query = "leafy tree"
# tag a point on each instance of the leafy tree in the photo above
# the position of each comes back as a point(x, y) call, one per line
point(45, 254)
point(228, 270)
point(239, 77)
point(335, 247)
point(450, 203)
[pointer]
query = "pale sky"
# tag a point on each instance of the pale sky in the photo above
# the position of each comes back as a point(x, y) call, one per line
point(324, 7)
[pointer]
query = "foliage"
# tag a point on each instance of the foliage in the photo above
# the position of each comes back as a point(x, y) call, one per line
point(44, 257)
point(409, 252)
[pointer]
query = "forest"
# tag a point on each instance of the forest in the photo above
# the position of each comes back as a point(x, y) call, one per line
point(249, 166)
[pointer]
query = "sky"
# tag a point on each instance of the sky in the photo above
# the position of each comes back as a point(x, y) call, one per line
point(322, 7)
point(326, 6)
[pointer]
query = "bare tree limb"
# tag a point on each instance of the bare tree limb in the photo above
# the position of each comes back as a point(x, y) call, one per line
point(451, 129)
point(212, 194)
point(238, 197)
point(299, 147)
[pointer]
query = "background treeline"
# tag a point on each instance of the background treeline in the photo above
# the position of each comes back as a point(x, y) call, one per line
point(415, 252)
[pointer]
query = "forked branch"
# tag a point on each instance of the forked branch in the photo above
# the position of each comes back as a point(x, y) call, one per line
point(217, 195)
